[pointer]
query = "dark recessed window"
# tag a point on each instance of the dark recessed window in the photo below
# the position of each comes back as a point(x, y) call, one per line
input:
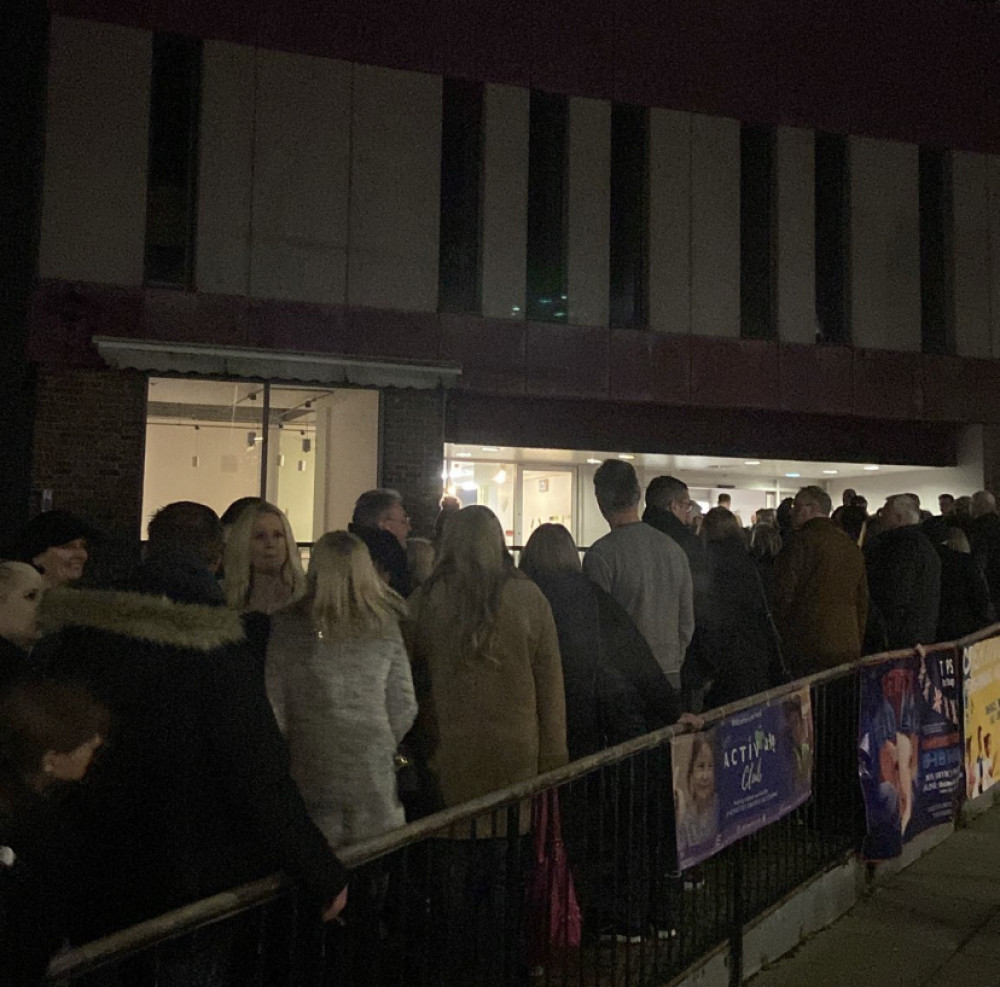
point(833, 215)
point(937, 311)
point(171, 202)
point(547, 226)
point(758, 289)
point(459, 270)
point(629, 292)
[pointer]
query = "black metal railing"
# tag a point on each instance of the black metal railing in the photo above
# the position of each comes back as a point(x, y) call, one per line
point(445, 900)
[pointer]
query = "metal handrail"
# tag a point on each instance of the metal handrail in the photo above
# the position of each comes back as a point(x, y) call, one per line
point(227, 904)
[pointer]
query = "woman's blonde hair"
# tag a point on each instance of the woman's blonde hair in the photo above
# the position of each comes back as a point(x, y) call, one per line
point(236, 558)
point(550, 549)
point(345, 596)
point(472, 568)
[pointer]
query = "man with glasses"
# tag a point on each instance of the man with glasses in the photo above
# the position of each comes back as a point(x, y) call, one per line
point(820, 589)
point(381, 522)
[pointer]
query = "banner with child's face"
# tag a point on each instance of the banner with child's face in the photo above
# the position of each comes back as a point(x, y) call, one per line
point(747, 771)
point(909, 749)
point(981, 682)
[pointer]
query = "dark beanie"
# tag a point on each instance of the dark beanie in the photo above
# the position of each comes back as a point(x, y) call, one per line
point(46, 530)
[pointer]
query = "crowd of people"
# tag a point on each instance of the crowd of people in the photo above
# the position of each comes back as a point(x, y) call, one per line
point(234, 713)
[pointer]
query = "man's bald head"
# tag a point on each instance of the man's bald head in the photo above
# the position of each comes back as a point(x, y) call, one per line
point(983, 502)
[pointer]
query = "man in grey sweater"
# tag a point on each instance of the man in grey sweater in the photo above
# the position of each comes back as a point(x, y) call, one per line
point(642, 568)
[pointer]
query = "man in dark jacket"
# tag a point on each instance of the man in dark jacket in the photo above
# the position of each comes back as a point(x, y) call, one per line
point(984, 537)
point(904, 575)
point(381, 522)
point(193, 794)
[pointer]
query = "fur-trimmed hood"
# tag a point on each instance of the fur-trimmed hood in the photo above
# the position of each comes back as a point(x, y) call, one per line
point(156, 619)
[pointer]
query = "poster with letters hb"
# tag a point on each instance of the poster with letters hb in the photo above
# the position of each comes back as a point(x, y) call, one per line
point(748, 770)
point(909, 749)
point(981, 682)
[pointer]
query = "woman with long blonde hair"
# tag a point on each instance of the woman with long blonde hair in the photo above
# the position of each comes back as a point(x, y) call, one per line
point(339, 681)
point(262, 568)
point(492, 713)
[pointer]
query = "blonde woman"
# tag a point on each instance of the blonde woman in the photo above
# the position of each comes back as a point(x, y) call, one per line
point(338, 678)
point(263, 572)
point(492, 713)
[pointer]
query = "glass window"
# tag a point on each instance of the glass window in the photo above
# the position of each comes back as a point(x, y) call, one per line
point(546, 498)
point(206, 441)
point(489, 484)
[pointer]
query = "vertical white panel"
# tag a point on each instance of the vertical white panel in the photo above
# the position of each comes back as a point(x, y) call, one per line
point(669, 221)
point(96, 147)
point(993, 167)
point(505, 200)
point(301, 164)
point(885, 244)
point(225, 152)
point(395, 190)
point(795, 165)
point(971, 252)
point(589, 208)
point(715, 226)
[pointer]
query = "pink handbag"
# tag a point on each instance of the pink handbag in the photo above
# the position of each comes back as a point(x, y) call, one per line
point(553, 910)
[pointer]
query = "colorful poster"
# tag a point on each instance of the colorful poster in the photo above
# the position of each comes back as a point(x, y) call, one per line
point(744, 773)
point(909, 749)
point(981, 685)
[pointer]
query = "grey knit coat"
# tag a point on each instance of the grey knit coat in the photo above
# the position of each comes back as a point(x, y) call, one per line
point(343, 706)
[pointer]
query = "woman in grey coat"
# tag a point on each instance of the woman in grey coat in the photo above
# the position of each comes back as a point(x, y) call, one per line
point(339, 680)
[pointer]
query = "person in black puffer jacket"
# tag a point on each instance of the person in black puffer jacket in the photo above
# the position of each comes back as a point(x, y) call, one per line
point(904, 575)
point(965, 595)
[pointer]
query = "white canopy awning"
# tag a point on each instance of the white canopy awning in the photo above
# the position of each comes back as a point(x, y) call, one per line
point(151, 356)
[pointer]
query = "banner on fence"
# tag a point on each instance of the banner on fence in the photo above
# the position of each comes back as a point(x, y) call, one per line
point(981, 684)
point(909, 749)
point(745, 772)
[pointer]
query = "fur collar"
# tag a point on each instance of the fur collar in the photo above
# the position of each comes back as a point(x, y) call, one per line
point(148, 618)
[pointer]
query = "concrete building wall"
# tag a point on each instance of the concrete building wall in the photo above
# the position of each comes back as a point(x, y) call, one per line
point(225, 168)
point(302, 152)
point(589, 207)
point(395, 187)
point(715, 226)
point(885, 245)
point(796, 250)
point(669, 221)
point(97, 136)
point(971, 253)
point(505, 201)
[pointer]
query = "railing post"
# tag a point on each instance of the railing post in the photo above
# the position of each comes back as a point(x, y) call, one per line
point(738, 920)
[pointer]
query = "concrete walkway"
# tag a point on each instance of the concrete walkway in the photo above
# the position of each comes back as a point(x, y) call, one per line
point(935, 924)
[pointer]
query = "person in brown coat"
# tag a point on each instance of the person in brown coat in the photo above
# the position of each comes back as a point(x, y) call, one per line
point(492, 712)
point(820, 589)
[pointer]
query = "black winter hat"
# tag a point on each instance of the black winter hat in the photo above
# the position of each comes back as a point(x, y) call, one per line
point(46, 530)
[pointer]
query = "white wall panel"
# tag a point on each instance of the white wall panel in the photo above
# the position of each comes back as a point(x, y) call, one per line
point(971, 251)
point(669, 221)
point(94, 202)
point(885, 244)
point(715, 226)
point(301, 164)
point(993, 168)
point(395, 190)
point(589, 208)
point(225, 167)
point(505, 200)
point(795, 161)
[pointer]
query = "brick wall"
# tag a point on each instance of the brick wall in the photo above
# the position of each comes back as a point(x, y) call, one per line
point(413, 451)
point(88, 451)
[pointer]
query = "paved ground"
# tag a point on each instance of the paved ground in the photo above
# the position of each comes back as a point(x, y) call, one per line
point(936, 924)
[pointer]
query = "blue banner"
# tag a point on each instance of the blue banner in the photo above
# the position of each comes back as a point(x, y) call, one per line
point(749, 770)
point(909, 749)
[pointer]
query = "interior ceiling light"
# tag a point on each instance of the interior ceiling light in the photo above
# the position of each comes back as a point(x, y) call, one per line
point(464, 455)
point(793, 476)
point(501, 476)
point(871, 468)
point(594, 462)
point(831, 472)
point(491, 448)
point(625, 455)
point(751, 462)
